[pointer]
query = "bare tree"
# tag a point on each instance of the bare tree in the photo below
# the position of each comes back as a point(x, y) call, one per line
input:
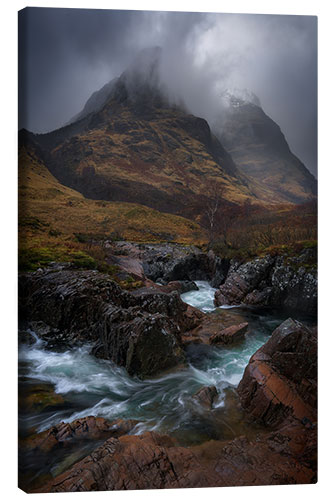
point(212, 209)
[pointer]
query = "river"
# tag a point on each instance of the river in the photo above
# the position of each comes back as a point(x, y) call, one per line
point(91, 386)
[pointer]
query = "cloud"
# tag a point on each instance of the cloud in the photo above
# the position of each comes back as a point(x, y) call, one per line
point(70, 53)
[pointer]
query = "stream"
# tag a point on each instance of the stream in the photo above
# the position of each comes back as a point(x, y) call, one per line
point(84, 385)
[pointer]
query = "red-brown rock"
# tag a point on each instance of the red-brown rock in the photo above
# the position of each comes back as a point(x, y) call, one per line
point(207, 325)
point(151, 461)
point(280, 379)
point(206, 396)
point(229, 335)
point(87, 428)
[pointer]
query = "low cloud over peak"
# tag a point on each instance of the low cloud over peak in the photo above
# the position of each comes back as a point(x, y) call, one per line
point(67, 54)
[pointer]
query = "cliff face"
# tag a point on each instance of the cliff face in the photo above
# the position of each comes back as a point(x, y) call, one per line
point(146, 153)
point(129, 143)
point(261, 152)
point(285, 282)
point(132, 143)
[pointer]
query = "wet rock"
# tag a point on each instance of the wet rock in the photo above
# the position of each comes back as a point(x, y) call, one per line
point(206, 396)
point(152, 461)
point(208, 326)
point(168, 263)
point(25, 337)
point(183, 286)
point(281, 378)
point(87, 428)
point(243, 280)
point(139, 330)
point(272, 281)
point(37, 397)
point(229, 335)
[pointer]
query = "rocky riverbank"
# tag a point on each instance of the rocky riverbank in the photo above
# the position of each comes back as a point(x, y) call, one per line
point(282, 282)
point(140, 331)
point(276, 281)
point(273, 390)
point(147, 331)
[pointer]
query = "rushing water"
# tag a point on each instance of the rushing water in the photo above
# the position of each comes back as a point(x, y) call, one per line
point(90, 386)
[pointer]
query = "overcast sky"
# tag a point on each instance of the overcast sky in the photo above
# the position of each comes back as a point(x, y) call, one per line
point(66, 54)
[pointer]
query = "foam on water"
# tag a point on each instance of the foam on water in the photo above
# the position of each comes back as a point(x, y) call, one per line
point(203, 298)
point(98, 387)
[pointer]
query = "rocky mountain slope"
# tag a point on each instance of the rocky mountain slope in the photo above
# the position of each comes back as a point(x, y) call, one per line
point(52, 213)
point(130, 144)
point(260, 150)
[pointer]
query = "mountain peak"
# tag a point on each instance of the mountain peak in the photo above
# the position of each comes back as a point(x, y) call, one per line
point(237, 97)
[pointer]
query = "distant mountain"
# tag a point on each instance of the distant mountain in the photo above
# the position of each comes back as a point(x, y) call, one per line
point(260, 149)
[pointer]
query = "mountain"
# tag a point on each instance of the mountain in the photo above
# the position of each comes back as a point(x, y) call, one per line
point(131, 144)
point(260, 149)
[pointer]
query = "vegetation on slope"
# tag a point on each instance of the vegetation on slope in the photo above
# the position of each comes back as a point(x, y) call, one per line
point(58, 223)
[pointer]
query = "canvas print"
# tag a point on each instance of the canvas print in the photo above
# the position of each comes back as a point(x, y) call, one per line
point(167, 229)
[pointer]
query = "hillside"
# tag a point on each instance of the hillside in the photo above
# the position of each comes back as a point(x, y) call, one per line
point(130, 143)
point(63, 222)
point(262, 153)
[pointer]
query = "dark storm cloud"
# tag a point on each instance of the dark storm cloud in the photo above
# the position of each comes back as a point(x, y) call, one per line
point(70, 53)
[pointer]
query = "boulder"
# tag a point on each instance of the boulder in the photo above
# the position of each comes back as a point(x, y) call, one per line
point(140, 330)
point(272, 281)
point(209, 325)
point(229, 335)
point(152, 461)
point(182, 286)
point(243, 280)
point(206, 396)
point(280, 380)
point(65, 434)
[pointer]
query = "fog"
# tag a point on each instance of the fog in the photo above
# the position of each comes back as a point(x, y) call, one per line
point(67, 54)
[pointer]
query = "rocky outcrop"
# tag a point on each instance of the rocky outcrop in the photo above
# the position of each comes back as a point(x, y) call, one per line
point(65, 434)
point(173, 263)
point(140, 331)
point(229, 335)
point(154, 461)
point(206, 396)
point(280, 380)
point(261, 151)
point(210, 326)
point(278, 389)
point(168, 264)
point(272, 281)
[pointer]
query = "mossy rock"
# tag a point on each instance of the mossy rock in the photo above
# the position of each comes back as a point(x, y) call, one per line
point(36, 398)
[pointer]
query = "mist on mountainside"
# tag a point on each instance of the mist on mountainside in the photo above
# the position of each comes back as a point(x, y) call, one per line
point(74, 53)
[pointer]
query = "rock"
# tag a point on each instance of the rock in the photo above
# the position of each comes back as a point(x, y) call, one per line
point(140, 330)
point(168, 263)
point(281, 378)
point(209, 325)
point(243, 280)
point(152, 461)
point(184, 286)
point(229, 335)
point(179, 286)
point(25, 337)
point(272, 281)
point(87, 428)
point(38, 397)
point(206, 396)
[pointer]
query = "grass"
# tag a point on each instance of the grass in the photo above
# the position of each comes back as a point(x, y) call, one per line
point(57, 223)
point(30, 259)
point(68, 215)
